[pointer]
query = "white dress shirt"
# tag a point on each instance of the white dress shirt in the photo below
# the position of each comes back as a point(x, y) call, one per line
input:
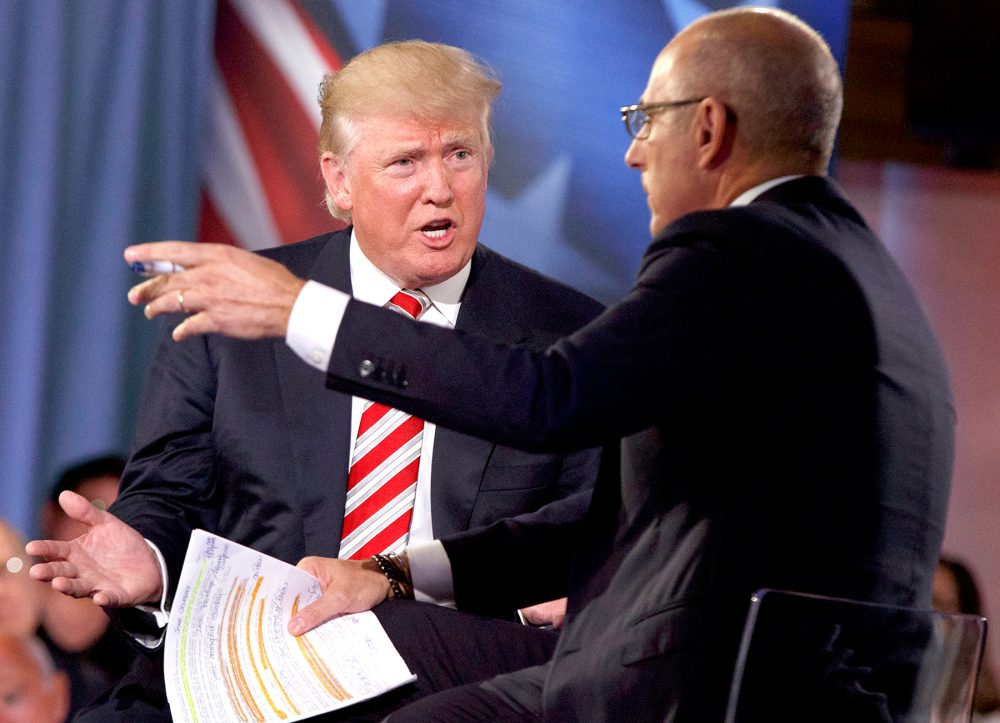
point(751, 193)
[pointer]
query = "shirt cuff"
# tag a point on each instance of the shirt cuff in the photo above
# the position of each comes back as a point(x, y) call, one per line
point(430, 571)
point(148, 623)
point(314, 322)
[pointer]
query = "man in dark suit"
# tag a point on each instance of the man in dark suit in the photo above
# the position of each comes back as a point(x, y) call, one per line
point(784, 411)
point(265, 447)
point(241, 438)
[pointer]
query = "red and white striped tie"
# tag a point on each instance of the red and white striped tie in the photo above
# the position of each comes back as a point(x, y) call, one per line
point(382, 483)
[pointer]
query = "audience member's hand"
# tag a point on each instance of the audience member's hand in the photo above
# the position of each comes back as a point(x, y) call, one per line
point(226, 290)
point(111, 563)
point(349, 586)
point(547, 613)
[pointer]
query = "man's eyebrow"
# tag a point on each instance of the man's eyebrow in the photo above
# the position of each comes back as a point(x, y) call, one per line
point(406, 148)
point(462, 139)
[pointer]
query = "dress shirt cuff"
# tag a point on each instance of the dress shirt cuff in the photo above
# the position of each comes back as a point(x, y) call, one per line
point(313, 324)
point(430, 571)
point(147, 624)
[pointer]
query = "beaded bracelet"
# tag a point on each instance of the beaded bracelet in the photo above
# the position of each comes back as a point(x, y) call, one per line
point(392, 567)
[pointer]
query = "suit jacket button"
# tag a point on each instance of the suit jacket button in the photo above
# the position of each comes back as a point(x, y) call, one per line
point(366, 368)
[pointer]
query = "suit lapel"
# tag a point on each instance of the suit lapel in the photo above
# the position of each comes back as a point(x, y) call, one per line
point(460, 460)
point(483, 310)
point(319, 421)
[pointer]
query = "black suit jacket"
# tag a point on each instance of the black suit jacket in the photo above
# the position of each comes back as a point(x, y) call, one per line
point(786, 422)
point(243, 439)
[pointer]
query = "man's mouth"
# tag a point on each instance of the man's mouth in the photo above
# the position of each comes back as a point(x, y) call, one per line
point(436, 229)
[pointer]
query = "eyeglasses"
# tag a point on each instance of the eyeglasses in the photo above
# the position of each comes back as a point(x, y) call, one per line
point(636, 117)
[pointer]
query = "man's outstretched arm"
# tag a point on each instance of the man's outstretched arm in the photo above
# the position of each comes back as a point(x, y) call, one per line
point(111, 563)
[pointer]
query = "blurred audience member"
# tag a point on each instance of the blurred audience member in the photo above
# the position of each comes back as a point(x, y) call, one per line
point(32, 690)
point(956, 591)
point(21, 598)
point(77, 633)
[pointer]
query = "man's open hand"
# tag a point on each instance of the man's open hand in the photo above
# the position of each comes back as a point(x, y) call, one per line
point(111, 563)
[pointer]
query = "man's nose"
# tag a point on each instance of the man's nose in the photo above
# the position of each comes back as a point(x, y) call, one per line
point(437, 184)
point(633, 155)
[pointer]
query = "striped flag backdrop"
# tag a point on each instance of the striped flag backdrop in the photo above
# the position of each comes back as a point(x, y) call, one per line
point(261, 184)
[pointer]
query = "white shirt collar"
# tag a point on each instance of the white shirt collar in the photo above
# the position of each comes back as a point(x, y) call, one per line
point(370, 284)
point(751, 193)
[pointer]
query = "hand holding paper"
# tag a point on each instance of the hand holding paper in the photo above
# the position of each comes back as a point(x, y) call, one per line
point(228, 654)
point(349, 586)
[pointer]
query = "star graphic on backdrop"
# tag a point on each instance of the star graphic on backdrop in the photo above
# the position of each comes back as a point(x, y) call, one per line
point(528, 229)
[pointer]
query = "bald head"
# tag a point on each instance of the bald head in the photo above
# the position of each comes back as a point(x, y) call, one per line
point(737, 98)
point(776, 74)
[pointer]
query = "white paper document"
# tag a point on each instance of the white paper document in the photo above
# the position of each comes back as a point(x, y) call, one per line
point(228, 653)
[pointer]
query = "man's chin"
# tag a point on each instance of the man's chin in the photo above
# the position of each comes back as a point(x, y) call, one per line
point(438, 266)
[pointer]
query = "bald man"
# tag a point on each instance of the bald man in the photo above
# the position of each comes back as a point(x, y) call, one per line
point(31, 689)
point(785, 415)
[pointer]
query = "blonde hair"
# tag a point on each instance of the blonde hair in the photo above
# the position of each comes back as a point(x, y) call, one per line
point(411, 79)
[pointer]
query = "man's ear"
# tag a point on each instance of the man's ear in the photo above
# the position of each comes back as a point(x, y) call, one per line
point(337, 182)
point(716, 129)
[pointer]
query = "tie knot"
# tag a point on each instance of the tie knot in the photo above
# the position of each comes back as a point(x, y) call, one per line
point(412, 302)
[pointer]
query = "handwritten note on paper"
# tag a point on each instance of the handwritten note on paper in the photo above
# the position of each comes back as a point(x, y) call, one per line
point(228, 655)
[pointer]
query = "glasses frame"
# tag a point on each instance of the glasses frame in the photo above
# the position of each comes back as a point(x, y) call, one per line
point(630, 115)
